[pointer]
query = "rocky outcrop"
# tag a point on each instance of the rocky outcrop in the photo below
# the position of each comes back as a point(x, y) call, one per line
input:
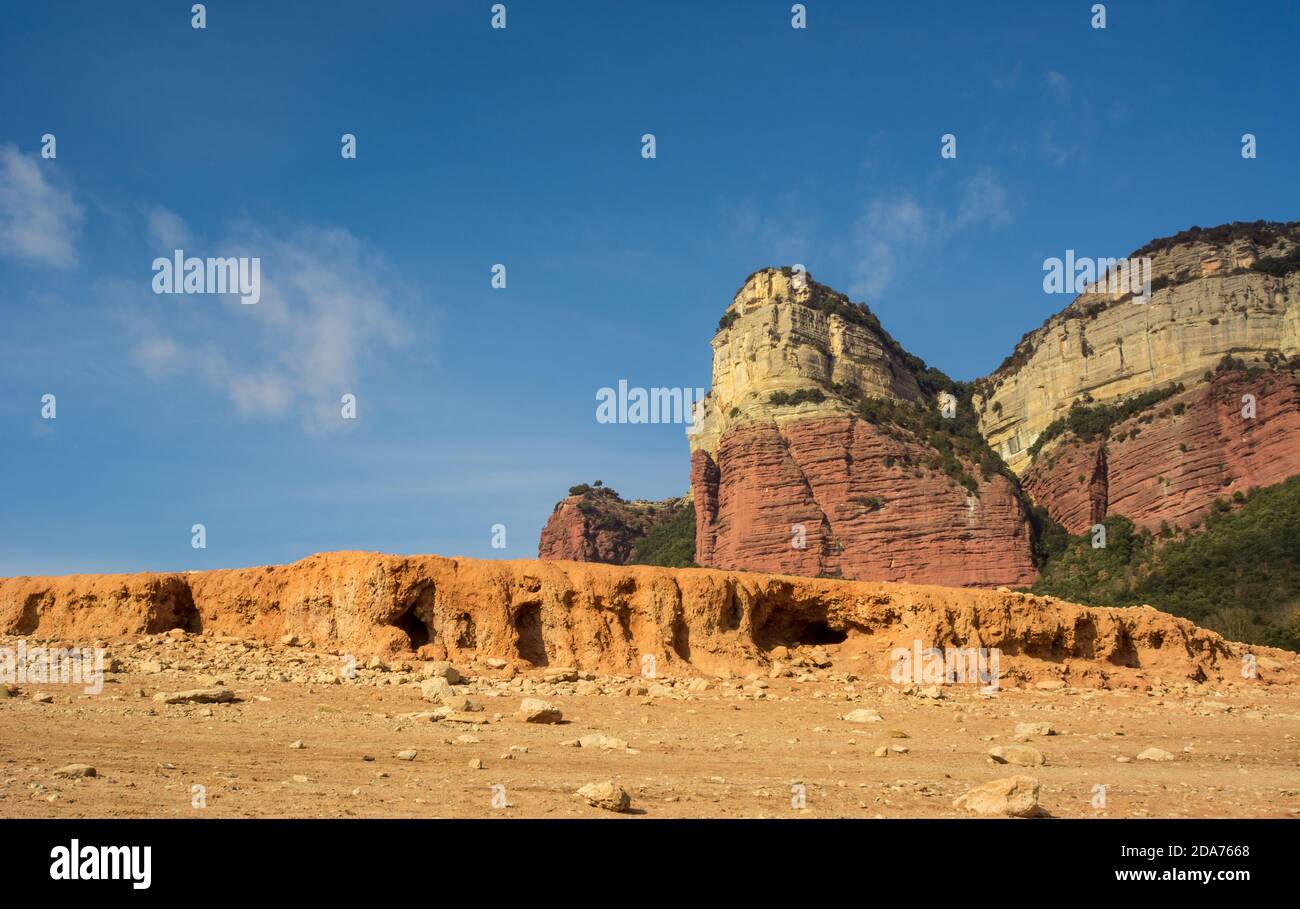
point(1225, 291)
point(605, 618)
point(596, 525)
point(790, 473)
point(785, 333)
point(840, 496)
point(1170, 462)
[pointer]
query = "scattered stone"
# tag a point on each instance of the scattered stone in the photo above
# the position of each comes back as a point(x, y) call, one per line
point(459, 703)
point(43, 697)
point(76, 771)
point(443, 670)
point(437, 689)
point(297, 743)
point(1020, 755)
point(407, 754)
point(476, 764)
point(1032, 729)
point(862, 715)
point(607, 795)
point(560, 674)
point(1014, 796)
point(600, 740)
point(1155, 754)
point(196, 696)
point(532, 710)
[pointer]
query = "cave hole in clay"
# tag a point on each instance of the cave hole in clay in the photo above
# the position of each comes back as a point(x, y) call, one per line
point(528, 634)
point(820, 633)
point(794, 629)
point(415, 629)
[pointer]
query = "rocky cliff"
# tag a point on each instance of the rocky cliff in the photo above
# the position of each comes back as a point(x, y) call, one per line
point(1117, 407)
point(1228, 291)
point(823, 451)
point(1169, 463)
point(605, 618)
point(595, 524)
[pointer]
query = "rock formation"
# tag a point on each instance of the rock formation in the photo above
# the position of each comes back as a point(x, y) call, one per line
point(789, 473)
point(1213, 296)
point(606, 618)
point(1169, 463)
point(594, 524)
point(1222, 297)
point(818, 451)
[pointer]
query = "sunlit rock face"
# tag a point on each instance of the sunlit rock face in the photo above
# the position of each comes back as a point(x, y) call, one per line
point(809, 487)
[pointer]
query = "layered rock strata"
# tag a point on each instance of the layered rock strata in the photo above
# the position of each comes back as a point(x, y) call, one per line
point(606, 618)
point(1215, 293)
point(788, 476)
point(1171, 462)
point(602, 528)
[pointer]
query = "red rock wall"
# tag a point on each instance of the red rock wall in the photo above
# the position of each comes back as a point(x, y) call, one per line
point(605, 618)
point(606, 533)
point(821, 474)
point(1179, 463)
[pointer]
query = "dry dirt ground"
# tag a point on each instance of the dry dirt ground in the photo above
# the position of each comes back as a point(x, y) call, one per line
point(736, 748)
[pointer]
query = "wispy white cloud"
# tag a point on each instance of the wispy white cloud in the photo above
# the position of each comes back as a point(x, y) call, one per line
point(326, 306)
point(1058, 85)
point(167, 229)
point(895, 229)
point(39, 221)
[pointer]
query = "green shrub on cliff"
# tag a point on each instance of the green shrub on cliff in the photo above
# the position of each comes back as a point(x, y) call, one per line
point(1092, 421)
point(1239, 575)
point(670, 542)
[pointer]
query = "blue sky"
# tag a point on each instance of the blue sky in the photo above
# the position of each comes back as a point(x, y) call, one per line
point(522, 146)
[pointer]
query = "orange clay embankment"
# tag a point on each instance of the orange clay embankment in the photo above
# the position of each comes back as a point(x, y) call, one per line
point(605, 618)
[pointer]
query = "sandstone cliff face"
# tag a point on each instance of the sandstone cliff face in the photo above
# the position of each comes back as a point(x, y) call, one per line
point(1208, 301)
point(601, 528)
point(777, 340)
point(605, 618)
point(1170, 462)
point(861, 502)
point(813, 488)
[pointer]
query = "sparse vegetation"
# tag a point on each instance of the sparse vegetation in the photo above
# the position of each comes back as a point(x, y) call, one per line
point(1093, 421)
point(1261, 233)
point(1239, 575)
point(670, 542)
point(802, 396)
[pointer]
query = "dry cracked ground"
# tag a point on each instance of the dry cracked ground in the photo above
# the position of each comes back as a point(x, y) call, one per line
point(304, 736)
